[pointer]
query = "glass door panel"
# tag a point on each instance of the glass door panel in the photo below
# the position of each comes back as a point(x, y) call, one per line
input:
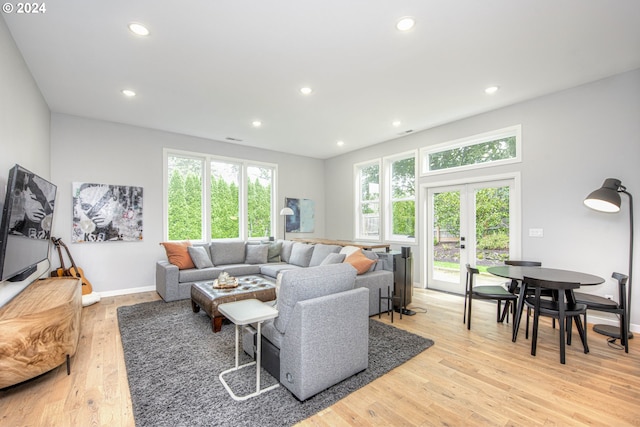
point(468, 223)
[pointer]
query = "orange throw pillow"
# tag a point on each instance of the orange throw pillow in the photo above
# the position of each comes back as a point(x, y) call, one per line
point(178, 255)
point(359, 261)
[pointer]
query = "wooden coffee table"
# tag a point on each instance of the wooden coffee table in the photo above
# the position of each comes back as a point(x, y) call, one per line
point(205, 296)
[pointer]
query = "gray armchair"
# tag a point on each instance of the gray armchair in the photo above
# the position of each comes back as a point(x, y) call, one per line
point(321, 334)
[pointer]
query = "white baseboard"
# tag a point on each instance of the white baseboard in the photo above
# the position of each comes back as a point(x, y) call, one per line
point(126, 291)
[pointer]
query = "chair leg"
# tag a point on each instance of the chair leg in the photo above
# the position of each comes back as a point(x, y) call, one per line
point(526, 332)
point(469, 313)
point(624, 334)
point(562, 322)
point(569, 321)
point(498, 310)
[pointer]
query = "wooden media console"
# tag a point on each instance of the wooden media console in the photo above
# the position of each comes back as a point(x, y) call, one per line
point(40, 329)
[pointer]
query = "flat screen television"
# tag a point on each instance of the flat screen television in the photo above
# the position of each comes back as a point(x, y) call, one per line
point(25, 229)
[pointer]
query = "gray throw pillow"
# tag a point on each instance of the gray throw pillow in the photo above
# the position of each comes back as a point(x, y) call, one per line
point(199, 256)
point(274, 251)
point(301, 254)
point(256, 254)
point(333, 259)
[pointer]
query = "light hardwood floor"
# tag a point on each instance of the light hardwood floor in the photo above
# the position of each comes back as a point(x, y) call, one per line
point(467, 378)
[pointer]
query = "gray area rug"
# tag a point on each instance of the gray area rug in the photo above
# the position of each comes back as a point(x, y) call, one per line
point(173, 360)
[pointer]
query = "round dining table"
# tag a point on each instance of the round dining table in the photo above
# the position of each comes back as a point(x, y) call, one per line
point(541, 273)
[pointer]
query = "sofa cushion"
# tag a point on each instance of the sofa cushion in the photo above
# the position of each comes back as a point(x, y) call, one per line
point(301, 254)
point(241, 269)
point(285, 252)
point(178, 254)
point(272, 269)
point(200, 256)
point(320, 252)
point(359, 261)
point(256, 254)
point(313, 282)
point(333, 259)
point(274, 251)
point(227, 253)
point(198, 275)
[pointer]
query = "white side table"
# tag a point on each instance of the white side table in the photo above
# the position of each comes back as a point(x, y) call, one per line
point(243, 313)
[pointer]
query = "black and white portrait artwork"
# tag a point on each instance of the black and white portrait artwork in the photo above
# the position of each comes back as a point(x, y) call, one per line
point(105, 213)
point(32, 210)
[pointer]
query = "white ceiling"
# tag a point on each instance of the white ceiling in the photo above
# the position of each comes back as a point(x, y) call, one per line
point(210, 67)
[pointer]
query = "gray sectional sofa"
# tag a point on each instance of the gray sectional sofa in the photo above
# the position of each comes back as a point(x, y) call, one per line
point(267, 258)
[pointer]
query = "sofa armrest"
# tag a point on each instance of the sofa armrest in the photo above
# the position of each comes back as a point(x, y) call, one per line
point(327, 341)
point(167, 280)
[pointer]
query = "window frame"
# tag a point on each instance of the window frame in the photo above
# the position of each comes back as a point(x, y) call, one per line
point(510, 131)
point(206, 193)
point(357, 167)
point(388, 198)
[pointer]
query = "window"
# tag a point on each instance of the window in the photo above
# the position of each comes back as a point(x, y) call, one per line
point(488, 149)
point(401, 179)
point(218, 197)
point(368, 200)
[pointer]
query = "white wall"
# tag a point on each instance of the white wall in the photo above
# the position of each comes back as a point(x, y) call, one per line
point(86, 150)
point(24, 128)
point(572, 141)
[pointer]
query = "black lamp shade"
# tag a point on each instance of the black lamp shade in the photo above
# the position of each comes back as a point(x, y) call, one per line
point(605, 198)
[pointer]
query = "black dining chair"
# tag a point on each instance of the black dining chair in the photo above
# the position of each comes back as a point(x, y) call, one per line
point(598, 303)
point(514, 286)
point(564, 308)
point(492, 292)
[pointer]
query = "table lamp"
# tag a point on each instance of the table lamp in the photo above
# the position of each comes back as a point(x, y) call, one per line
point(607, 199)
point(285, 212)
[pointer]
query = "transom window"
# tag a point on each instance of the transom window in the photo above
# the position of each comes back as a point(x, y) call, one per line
point(209, 198)
point(488, 149)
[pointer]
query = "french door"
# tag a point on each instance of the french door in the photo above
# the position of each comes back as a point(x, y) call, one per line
point(469, 223)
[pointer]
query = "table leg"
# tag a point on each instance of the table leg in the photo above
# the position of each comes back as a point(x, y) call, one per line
point(518, 314)
point(258, 356)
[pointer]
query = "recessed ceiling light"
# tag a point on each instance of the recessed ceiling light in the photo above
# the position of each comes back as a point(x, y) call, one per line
point(138, 29)
point(396, 123)
point(256, 123)
point(128, 93)
point(306, 90)
point(491, 89)
point(340, 143)
point(406, 23)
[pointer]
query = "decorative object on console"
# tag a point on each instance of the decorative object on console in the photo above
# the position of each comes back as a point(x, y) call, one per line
point(607, 199)
point(103, 212)
point(302, 219)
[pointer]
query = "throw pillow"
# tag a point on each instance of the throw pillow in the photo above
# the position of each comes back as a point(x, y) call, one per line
point(274, 251)
point(256, 254)
point(178, 254)
point(199, 256)
point(333, 259)
point(348, 250)
point(359, 261)
point(301, 254)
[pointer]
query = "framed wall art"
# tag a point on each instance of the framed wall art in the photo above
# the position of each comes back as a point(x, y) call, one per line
point(303, 218)
point(106, 213)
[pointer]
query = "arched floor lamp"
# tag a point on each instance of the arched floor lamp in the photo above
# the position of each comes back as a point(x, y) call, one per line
point(285, 212)
point(607, 199)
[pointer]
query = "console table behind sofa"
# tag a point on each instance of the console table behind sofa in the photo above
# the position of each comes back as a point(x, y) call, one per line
point(366, 246)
